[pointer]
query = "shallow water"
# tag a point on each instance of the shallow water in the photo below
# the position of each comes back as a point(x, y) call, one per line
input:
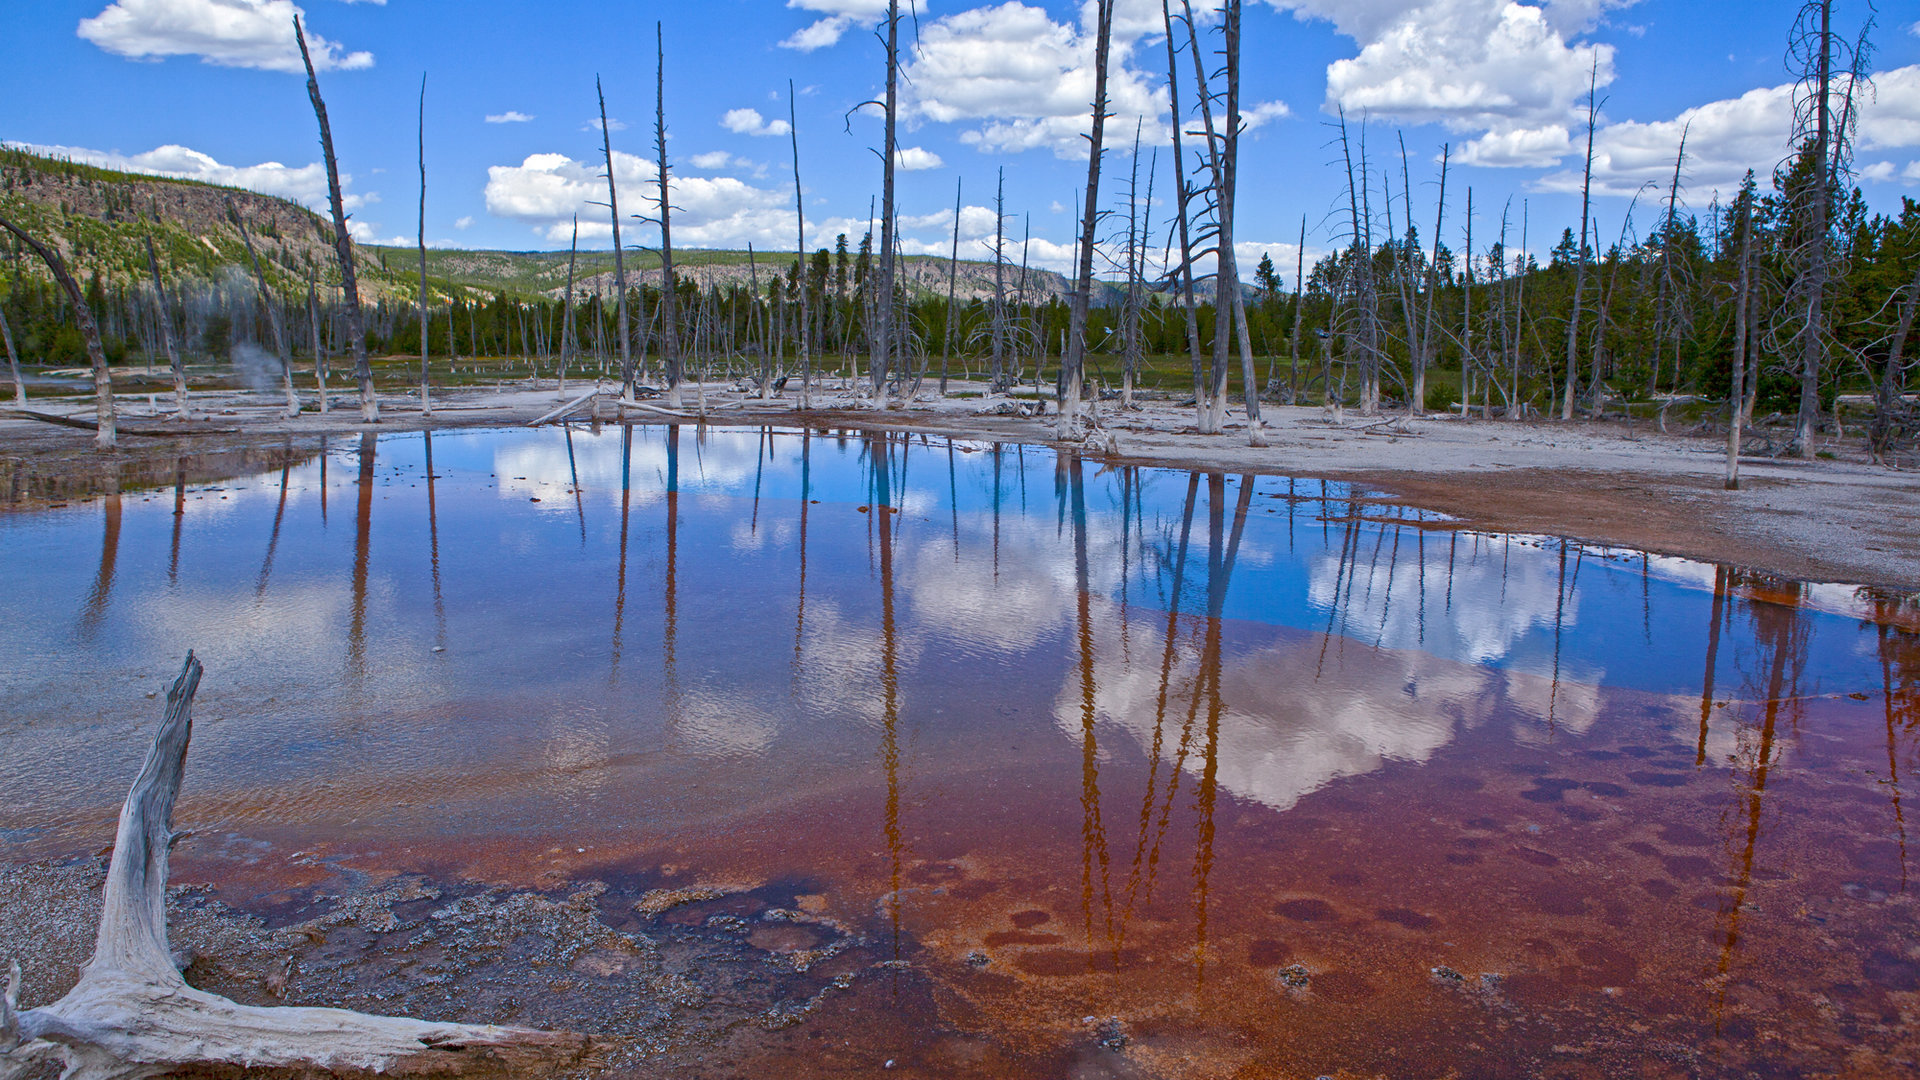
point(1113, 771)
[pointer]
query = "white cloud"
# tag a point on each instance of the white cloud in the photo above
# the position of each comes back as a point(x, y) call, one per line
point(1519, 148)
point(1891, 120)
point(1911, 174)
point(464, 223)
point(916, 159)
point(837, 17)
point(975, 222)
point(306, 184)
point(511, 116)
point(1879, 172)
point(1502, 68)
point(547, 190)
point(717, 159)
point(230, 33)
point(750, 122)
point(1027, 79)
point(1726, 138)
point(1263, 113)
point(615, 124)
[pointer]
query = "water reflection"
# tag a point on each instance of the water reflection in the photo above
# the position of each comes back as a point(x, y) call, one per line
point(1181, 729)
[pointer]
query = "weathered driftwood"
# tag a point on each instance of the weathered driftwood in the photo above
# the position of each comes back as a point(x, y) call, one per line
point(565, 409)
point(132, 1015)
point(123, 429)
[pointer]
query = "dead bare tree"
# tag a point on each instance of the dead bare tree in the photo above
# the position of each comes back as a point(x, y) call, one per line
point(953, 272)
point(1667, 311)
point(1580, 248)
point(13, 361)
point(1139, 222)
point(131, 1015)
point(1205, 417)
point(179, 371)
point(426, 398)
point(342, 242)
point(800, 249)
point(669, 297)
point(1422, 345)
point(619, 250)
point(1736, 399)
point(104, 418)
point(1222, 160)
point(881, 339)
point(998, 325)
point(1299, 314)
point(1823, 137)
point(319, 350)
point(1074, 360)
point(569, 338)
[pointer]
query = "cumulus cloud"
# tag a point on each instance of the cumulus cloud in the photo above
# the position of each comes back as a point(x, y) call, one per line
point(915, 159)
point(511, 116)
point(1026, 80)
point(750, 122)
point(1505, 69)
point(305, 184)
point(229, 33)
point(464, 223)
point(1726, 138)
point(546, 190)
point(837, 16)
point(717, 159)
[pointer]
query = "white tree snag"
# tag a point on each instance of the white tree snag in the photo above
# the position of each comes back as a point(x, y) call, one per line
point(132, 1016)
point(89, 333)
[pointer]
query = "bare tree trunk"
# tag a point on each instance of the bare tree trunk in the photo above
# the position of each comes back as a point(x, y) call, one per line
point(1074, 359)
point(1362, 250)
point(1467, 362)
point(105, 435)
point(342, 243)
point(800, 225)
point(669, 296)
point(1813, 331)
point(180, 407)
point(1130, 313)
point(1228, 268)
point(426, 395)
point(1892, 381)
point(1580, 249)
point(131, 1014)
point(998, 329)
point(1425, 358)
point(953, 273)
point(1667, 318)
point(13, 364)
point(627, 374)
point(1299, 314)
point(882, 344)
point(568, 338)
point(319, 349)
point(1736, 398)
point(1205, 417)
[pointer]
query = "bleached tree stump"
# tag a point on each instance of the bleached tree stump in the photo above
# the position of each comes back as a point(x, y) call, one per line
point(132, 1015)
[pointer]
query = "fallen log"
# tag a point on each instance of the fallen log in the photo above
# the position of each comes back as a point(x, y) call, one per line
point(565, 409)
point(632, 404)
point(124, 429)
point(132, 1016)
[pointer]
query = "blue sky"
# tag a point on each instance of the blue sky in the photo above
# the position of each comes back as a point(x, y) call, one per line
point(209, 88)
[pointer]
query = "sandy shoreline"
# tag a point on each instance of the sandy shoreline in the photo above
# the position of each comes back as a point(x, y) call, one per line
point(1840, 519)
